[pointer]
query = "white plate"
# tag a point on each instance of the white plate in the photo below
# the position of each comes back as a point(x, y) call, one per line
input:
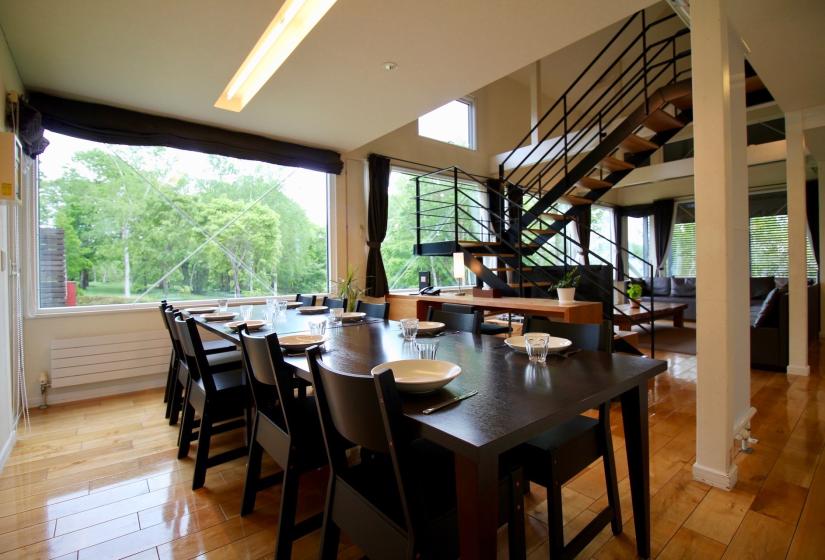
point(293, 304)
point(420, 376)
point(352, 316)
point(313, 309)
point(430, 326)
point(556, 344)
point(200, 310)
point(217, 317)
point(252, 324)
point(296, 342)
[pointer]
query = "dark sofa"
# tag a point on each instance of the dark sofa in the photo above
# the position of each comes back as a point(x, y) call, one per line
point(769, 340)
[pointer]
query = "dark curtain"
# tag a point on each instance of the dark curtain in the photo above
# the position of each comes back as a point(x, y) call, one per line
point(662, 229)
point(583, 231)
point(812, 206)
point(618, 235)
point(31, 129)
point(102, 123)
point(495, 208)
point(377, 211)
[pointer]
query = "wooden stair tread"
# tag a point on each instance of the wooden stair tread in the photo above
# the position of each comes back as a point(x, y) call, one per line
point(539, 231)
point(615, 164)
point(478, 243)
point(557, 217)
point(684, 102)
point(511, 269)
point(659, 121)
point(577, 200)
point(527, 284)
point(635, 144)
point(593, 183)
point(477, 255)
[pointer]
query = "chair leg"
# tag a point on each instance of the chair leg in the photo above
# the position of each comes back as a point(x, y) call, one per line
point(202, 455)
point(610, 469)
point(253, 477)
point(175, 401)
point(186, 427)
point(169, 378)
point(289, 506)
point(555, 519)
point(515, 525)
point(330, 533)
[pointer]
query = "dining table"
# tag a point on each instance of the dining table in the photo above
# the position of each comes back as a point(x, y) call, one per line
point(517, 400)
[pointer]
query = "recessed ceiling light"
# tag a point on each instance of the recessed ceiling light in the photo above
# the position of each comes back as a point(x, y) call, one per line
point(389, 66)
point(288, 28)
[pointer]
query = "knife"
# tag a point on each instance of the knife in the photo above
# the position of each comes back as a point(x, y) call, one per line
point(449, 402)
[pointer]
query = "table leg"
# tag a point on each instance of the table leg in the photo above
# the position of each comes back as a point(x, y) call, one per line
point(477, 494)
point(634, 416)
point(679, 318)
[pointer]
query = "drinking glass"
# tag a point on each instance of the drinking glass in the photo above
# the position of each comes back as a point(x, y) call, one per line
point(537, 346)
point(223, 305)
point(409, 327)
point(270, 301)
point(280, 308)
point(246, 312)
point(335, 316)
point(318, 326)
point(427, 349)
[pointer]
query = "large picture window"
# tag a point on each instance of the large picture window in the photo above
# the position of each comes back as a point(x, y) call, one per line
point(126, 224)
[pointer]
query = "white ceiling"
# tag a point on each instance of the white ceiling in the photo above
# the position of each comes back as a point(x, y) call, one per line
point(175, 57)
point(787, 47)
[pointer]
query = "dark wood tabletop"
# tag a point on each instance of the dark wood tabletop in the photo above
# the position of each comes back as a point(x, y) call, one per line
point(516, 400)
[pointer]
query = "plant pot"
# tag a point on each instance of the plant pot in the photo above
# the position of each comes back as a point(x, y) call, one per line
point(635, 303)
point(566, 295)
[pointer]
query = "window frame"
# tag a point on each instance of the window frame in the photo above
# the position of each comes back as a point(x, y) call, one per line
point(471, 124)
point(31, 254)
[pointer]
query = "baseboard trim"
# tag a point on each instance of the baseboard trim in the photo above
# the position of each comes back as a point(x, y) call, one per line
point(799, 370)
point(7, 449)
point(719, 479)
point(82, 393)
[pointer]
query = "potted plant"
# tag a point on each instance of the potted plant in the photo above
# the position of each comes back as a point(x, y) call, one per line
point(348, 288)
point(634, 292)
point(566, 286)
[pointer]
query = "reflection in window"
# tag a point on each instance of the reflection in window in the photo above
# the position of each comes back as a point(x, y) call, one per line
point(130, 224)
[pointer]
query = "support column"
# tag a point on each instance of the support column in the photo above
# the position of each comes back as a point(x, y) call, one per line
point(797, 261)
point(821, 186)
point(535, 100)
point(721, 193)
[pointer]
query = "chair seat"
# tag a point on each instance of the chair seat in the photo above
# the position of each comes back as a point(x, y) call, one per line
point(218, 346)
point(493, 328)
point(574, 443)
point(225, 360)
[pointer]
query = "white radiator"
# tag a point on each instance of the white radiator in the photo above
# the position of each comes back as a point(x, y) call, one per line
point(77, 361)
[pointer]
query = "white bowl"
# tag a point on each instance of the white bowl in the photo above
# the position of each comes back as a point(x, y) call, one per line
point(218, 317)
point(556, 344)
point(298, 342)
point(313, 309)
point(252, 324)
point(352, 316)
point(420, 376)
point(430, 327)
point(200, 310)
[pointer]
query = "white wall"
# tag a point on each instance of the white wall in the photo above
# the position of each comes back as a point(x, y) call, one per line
point(9, 80)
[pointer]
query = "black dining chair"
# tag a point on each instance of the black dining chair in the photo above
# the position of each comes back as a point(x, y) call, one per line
point(287, 428)
point(557, 455)
point(486, 328)
point(222, 354)
point(306, 300)
point(172, 361)
point(375, 310)
point(399, 501)
point(219, 396)
point(467, 322)
point(334, 303)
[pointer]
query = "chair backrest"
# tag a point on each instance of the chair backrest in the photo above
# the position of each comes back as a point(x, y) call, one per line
point(169, 315)
point(457, 308)
point(335, 303)
point(589, 336)
point(270, 379)
point(306, 300)
point(467, 322)
point(376, 310)
point(192, 349)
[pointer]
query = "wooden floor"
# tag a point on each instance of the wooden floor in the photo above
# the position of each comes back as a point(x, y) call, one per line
point(99, 479)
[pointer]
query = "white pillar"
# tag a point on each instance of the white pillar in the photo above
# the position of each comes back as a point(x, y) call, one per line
point(797, 262)
point(821, 178)
point(535, 100)
point(722, 271)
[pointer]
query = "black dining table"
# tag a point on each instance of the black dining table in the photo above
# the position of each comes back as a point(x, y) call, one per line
point(516, 401)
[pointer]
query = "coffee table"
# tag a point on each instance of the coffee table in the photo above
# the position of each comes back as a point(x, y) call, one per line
point(625, 316)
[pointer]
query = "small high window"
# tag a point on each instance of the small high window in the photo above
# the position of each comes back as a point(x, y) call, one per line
point(453, 123)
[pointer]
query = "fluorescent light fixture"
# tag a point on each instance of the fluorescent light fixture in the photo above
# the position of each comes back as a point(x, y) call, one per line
point(289, 27)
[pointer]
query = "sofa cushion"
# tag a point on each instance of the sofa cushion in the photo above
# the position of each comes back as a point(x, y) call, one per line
point(683, 287)
point(762, 286)
point(661, 286)
point(768, 315)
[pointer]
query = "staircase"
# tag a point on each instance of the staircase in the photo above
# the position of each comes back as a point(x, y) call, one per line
point(629, 102)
